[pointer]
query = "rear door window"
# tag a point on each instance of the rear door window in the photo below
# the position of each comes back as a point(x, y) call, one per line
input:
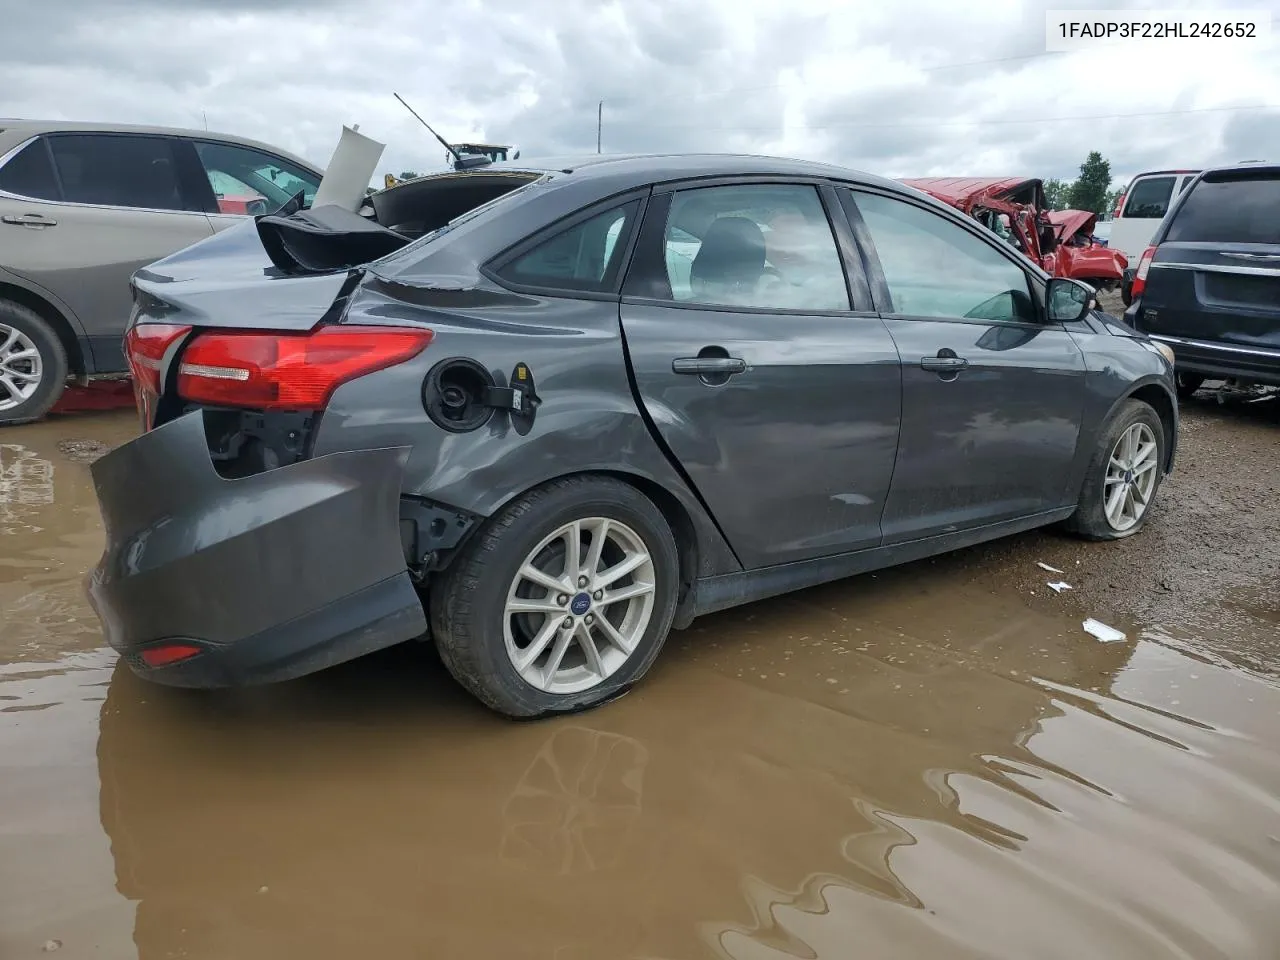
point(1149, 198)
point(118, 170)
point(242, 173)
point(29, 173)
point(759, 246)
point(1230, 209)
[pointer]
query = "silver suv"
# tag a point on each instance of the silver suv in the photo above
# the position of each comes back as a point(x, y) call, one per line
point(82, 206)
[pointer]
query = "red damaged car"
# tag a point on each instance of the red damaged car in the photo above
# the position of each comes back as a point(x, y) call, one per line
point(1079, 256)
point(1014, 208)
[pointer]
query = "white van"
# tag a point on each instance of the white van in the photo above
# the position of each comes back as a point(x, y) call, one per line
point(1143, 207)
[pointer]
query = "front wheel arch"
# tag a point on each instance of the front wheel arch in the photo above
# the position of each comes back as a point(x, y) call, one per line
point(1166, 406)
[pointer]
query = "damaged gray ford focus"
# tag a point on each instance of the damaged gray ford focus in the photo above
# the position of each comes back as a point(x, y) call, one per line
point(542, 414)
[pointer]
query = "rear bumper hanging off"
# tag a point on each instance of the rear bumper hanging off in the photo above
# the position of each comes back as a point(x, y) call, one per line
point(208, 582)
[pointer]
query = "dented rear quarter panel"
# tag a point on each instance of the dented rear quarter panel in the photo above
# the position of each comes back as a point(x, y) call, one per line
point(587, 421)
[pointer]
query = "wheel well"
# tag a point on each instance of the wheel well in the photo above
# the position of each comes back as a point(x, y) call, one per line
point(672, 510)
point(678, 519)
point(1160, 400)
point(52, 316)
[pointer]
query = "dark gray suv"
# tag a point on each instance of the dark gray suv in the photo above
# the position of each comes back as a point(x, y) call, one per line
point(546, 413)
point(1209, 284)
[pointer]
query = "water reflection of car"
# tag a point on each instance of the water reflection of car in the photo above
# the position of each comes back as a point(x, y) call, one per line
point(84, 205)
point(519, 418)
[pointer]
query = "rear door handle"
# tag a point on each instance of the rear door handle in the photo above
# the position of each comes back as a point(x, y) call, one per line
point(708, 366)
point(29, 220)
point(944, 364)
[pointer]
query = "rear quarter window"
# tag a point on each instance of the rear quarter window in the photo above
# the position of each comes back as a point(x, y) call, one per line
point(29, 173)
point(1231, 209)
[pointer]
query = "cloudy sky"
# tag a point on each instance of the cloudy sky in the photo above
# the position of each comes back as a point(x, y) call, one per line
point(926, 87)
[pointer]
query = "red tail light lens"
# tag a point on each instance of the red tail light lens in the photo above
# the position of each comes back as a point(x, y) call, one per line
point(289, 371)
point(1144, 267)
point(145, 347)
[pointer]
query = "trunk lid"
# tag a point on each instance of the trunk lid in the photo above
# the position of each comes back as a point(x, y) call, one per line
point(229, 280)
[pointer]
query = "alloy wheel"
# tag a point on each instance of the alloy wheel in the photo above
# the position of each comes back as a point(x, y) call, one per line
point(21, 367)
point(579, 605)
point(1131, 477)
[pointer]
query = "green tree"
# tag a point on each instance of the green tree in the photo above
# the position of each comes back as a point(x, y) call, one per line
point(1089, 192)
point(412, 175)
point(1055, 193)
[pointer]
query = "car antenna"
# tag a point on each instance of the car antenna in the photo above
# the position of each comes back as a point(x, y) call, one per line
point(458, 162)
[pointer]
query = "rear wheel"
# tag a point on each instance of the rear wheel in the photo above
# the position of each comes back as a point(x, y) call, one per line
point(1123, 475)
point(33, 365)
point(1188, 384)
point(562, 601)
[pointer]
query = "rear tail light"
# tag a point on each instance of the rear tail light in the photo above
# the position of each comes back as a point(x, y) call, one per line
point(145, 346)
point(1144, 267)
point(289, 371)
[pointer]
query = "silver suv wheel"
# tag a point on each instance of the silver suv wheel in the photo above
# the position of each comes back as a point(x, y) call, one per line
point(21, 367)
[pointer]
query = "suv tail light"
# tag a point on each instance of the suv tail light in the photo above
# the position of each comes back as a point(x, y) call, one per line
point(1144, 267)
point(270, 370)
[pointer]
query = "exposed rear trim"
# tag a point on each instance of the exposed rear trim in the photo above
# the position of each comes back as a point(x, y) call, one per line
point(1217, 268)
point(1223, 348)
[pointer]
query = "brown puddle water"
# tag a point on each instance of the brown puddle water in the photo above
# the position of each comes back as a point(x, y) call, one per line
point(890, 767)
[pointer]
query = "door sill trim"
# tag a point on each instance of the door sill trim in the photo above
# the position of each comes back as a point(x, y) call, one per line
point(713, 594)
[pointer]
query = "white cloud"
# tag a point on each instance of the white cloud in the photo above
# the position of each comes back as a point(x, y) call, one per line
point(875, 86)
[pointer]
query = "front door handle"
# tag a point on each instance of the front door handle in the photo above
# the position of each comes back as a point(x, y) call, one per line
point(29, 220)
point(708, 366)
point(944, 364)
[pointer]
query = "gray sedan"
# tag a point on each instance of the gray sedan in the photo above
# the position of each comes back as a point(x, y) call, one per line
point(545, 413)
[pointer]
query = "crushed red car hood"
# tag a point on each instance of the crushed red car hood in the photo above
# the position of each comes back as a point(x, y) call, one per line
point(1067, 223)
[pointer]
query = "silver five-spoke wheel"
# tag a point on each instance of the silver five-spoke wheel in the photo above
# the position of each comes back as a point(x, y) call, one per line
point(21, 367)
point(1131, 477)
point(579, 605)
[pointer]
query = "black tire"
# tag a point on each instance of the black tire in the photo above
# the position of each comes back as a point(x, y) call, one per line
point(1090, 519)
point(53, 363)
point(467, 604)
point(1188, 384)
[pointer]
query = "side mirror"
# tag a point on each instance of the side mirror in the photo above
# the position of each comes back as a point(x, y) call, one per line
point(1069, 300)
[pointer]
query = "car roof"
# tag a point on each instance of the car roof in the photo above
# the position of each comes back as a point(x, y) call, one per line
point(657, 167)
point(1250, 166)
point(14, 130)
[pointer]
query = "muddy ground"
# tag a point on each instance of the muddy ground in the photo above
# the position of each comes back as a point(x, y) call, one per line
point(932, 761)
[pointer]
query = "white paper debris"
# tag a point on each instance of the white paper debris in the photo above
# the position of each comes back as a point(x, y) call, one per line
point(1102, 632)
point(1044, 566)
point(1059, 586)
point(350, 169)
